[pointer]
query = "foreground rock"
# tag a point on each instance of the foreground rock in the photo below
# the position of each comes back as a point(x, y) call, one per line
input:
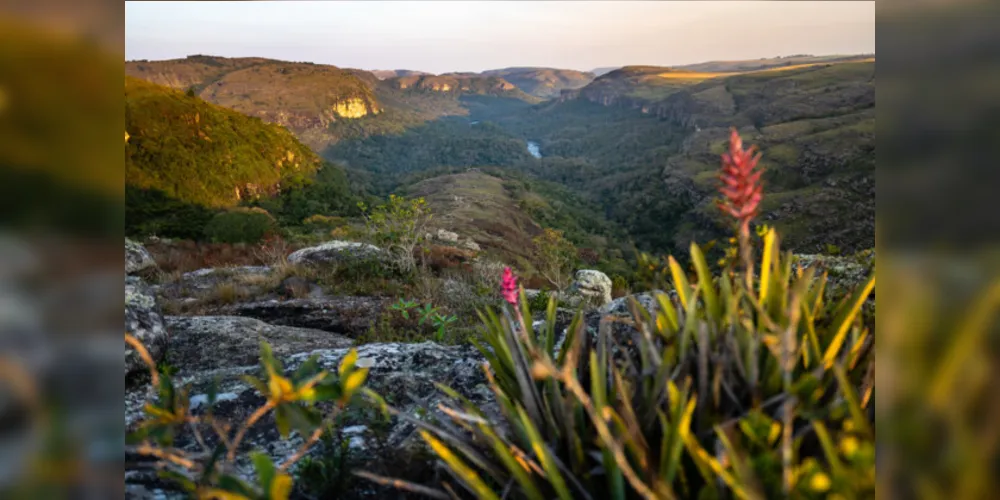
point(349, 316)
point(143, 320)
point(137, 258)
point(404, 374)
point(335, 251)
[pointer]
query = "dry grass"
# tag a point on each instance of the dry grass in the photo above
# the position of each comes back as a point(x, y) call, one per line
point(185, 255)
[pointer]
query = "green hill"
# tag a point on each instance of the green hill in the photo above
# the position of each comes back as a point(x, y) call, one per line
point(201, 153)
point(503, 210)
point(186, 159)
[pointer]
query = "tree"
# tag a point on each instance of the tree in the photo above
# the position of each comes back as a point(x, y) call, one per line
point(554, 258)
point(398, 226)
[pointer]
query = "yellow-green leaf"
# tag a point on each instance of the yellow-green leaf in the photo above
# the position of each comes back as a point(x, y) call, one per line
point(846, 322)
point(765, 265)
point(348, 362)
point(705, 282)
point(281, 487)
point(680, 281)
point(459, 467)
point(354, 381)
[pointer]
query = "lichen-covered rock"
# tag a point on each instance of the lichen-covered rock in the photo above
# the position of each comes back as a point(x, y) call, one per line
point(404, 374)
point(620, 306)
point(144, 321)
point(593, 287)
point(350, 316)
point(335, 251)
point(137, 258)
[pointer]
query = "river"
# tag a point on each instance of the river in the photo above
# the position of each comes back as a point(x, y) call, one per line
point(534, 150)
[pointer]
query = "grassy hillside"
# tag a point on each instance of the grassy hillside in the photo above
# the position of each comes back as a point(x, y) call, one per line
point(502, 211)
point(545, 83)
point(201, 153)
point(740, 66)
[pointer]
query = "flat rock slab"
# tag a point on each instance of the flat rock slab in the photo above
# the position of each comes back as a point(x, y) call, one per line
point(349, 316)
point(203, 343)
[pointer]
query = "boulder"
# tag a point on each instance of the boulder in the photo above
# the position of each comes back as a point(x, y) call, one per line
point(144, 321)
point(592, 287)
point(137, 258)
point(349, 316)
point(335, 251)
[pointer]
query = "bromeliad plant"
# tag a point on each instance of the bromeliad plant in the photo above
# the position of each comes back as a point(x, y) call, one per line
point(740, 384)
point(209, 472)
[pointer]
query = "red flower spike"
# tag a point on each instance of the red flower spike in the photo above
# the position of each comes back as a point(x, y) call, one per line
point(509, 286)
point(741, 187)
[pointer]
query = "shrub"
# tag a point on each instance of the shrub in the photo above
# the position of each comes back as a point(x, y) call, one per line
point(323, 222)
point(554, 258)
point(241, 225)
point(398, 226)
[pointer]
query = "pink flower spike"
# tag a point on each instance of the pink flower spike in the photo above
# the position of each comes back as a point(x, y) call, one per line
point(510, 286)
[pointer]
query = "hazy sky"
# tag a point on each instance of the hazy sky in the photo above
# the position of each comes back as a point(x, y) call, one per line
point(477, 35)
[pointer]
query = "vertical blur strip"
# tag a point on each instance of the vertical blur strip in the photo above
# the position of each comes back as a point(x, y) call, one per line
point(938, 229)
point(61, 222)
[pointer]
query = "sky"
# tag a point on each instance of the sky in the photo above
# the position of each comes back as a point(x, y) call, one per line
point(477, 35)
